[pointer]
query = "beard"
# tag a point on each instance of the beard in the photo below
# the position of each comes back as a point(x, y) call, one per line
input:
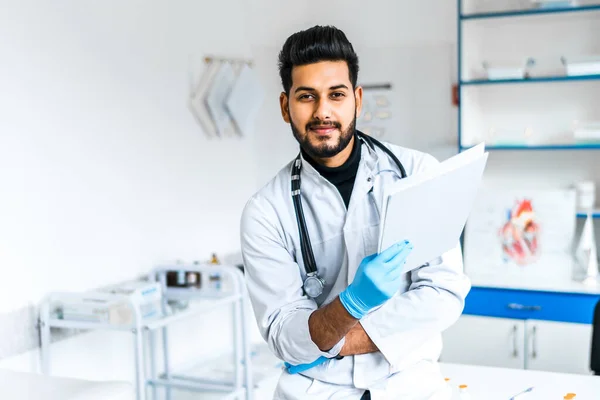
point(322, 149)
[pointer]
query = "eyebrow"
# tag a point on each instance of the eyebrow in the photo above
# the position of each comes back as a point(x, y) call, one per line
point(309, 89)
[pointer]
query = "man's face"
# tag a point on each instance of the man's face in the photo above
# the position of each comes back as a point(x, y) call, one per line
point(322, 107)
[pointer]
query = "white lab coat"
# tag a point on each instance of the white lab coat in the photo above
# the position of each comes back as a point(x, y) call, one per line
point(407, 329)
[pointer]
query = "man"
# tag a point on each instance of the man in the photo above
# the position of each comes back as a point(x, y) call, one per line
point(374, 331)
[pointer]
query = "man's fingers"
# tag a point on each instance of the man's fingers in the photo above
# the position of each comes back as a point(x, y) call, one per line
point(397, 261)
point(392, 251)
point(394, 272)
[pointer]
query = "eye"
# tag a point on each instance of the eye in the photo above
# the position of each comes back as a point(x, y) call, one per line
point(306, 96)
point(338, 95)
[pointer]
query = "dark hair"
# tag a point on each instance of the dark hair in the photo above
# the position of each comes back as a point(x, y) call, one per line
point(319, 43)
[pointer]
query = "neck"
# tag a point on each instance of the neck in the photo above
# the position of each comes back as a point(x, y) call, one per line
point(340, 158)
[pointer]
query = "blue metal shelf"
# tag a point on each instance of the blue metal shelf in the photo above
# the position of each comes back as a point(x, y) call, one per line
point(523, 13)
point(539, 79)
point(591, 146)
point(595, 214)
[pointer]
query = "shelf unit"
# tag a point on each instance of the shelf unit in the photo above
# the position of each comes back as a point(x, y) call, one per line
point(524, 13)
point(479, 90)
point(539, 147)
point(464, 83)
point(538, 79)
point(594, 213)
point(238, 387)
point(266, 369)
point(240, 384)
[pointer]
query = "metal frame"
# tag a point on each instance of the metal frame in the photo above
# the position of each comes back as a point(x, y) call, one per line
point(536, 79)
point(240, 387)
point(526, 12)
point(47, 322)
point(459, 34)
point(242, 383)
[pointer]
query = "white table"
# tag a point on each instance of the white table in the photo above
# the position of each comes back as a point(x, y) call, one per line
point(491, 383)
point(29, 386)
point(484, 383)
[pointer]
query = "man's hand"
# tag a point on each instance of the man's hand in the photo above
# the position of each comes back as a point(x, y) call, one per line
point(358, 342)
point(296, 369)
point(377, 279)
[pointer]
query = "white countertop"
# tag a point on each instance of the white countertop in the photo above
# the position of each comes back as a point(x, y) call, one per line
point(484, 383)
point(491, 383)
point(564, 283)
point(29, 386)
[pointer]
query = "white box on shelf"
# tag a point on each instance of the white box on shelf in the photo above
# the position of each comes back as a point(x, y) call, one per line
point(586, 195)
point(507, 70)
point(578, 66)
point(97, 307)
point(146, 296)
point(554, 3)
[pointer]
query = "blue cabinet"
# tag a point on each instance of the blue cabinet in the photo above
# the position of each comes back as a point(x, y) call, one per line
point(531, 304)
point(526, 329)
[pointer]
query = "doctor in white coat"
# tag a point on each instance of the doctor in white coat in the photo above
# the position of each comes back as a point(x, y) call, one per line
point(347, 322)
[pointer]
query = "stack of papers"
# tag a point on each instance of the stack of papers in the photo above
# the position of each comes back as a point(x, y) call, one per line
point(430, 209)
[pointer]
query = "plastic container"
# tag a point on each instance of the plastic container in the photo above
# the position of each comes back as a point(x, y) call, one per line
point(586, 132)
point(584, 65)
point(554, 3)
point(586, 195)
point(495, 71)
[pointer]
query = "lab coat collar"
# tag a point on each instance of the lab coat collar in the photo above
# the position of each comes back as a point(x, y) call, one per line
point(369, 162)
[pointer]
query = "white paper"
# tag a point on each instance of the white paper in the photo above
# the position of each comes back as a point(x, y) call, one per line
point(215, 100)
point(431, 209)
point(197, 104)
point(244, 101)
point(377, 117)
point(454, 162)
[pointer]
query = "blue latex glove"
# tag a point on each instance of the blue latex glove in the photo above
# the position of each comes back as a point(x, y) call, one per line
point(295, 369)
point(377, 279)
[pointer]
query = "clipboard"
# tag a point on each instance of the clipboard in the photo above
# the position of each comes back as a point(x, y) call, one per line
point(430, 209)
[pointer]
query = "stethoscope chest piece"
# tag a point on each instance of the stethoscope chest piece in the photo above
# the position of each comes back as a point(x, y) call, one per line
point(313, 285)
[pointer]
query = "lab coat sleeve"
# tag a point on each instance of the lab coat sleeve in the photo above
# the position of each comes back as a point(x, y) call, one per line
point(434, 301)
point(275, 288)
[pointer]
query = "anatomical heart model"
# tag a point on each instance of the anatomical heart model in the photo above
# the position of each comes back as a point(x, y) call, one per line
point(527, 234)
point(520, 235)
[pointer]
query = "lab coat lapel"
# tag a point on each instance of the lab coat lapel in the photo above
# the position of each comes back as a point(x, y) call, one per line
point(361, 211)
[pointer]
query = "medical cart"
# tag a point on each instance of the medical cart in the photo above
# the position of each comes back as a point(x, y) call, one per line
point(145, 329)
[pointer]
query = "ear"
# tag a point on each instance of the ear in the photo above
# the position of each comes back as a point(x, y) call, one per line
point(358, 96)
point(285, 107)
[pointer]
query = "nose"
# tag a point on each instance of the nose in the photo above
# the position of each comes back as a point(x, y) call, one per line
point(322, 110)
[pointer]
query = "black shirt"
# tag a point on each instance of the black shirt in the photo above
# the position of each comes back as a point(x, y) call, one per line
point(341, 177)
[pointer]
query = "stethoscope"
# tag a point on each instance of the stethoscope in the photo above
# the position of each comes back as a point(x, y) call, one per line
point(313, 284)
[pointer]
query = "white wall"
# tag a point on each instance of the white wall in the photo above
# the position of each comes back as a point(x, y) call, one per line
point(103, 170)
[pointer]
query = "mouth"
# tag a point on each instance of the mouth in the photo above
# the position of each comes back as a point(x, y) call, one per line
point(323, 130)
